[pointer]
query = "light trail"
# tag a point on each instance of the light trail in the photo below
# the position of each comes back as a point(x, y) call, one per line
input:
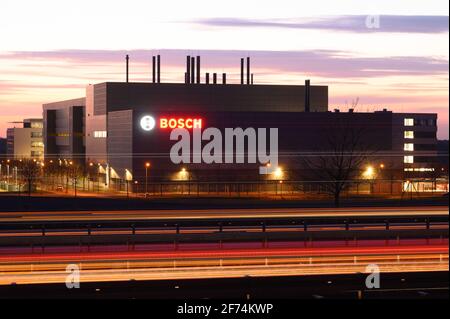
point(222, 213)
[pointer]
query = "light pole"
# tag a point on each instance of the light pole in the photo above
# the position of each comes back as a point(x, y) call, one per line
point(147, 166)
point(136, 190)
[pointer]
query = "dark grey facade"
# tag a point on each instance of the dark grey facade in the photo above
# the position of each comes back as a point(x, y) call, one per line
point(64, 129)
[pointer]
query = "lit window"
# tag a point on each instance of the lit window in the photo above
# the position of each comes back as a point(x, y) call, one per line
point(409, 134)
point(409, 122)
point(37, 144)
point(100, 134)
point(408, 159)
point(408, 147)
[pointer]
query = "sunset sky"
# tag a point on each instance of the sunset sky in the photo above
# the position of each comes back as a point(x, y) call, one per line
point(50, 50)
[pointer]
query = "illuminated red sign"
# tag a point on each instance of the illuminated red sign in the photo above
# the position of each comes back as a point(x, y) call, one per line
point(173, 123)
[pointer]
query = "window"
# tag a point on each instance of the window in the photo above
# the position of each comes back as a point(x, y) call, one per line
point(37, 144)
point(408, 159)
point(409, 134)
point(408, 147)
point(37, 125)
point(409, 122)
point(36, 153)
point(36, 134)
point(100, 134)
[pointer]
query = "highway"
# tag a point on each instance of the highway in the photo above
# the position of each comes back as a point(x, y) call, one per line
point(221, 213)
point(231, 260)
point(122, 260)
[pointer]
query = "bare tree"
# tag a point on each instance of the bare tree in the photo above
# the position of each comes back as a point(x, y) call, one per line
point(30, 172)
point(75, 172)
point(338, 161)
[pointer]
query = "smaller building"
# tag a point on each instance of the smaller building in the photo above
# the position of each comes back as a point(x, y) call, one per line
point(2, 147)
point(25, 141)
point(64, 136)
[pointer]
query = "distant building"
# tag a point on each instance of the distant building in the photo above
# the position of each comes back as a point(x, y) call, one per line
point(2, 147)
point(26, 141)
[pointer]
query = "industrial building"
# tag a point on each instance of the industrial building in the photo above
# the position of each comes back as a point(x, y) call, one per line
point(104, 130)
point(26, 141)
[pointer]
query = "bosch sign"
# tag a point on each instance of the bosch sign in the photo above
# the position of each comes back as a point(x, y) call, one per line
point(173, 123)
point(148, 122)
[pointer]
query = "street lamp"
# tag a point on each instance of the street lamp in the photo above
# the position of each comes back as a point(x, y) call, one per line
point(369, 174)
point(147, 166)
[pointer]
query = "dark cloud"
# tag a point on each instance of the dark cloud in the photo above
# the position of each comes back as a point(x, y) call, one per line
point(354, 23)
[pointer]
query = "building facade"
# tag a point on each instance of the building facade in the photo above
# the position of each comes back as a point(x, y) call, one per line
point(64, 130)
point(26, 142)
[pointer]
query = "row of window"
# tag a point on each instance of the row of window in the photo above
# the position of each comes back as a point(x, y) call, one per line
point(409, 147)
point(419, 122)
point(412, 134)
point(37, 144)
point(421, 169)
point(100, 134)
point(410, 159)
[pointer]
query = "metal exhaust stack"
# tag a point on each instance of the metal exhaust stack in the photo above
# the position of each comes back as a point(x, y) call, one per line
point(207, 78)
point(192, 70)
point(188, 70)
point(158, 58)
point(127, 59)
point(248, 70)
point(224, 78)
point(153, 69)
point(198, 69)
point(252, 79)
point(214, 78)
point(242, 71)
point(307, 96)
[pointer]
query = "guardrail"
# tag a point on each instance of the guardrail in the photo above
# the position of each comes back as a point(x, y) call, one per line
point(134, 239)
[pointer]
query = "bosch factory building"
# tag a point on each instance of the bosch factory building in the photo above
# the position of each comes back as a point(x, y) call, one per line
point(123, 131)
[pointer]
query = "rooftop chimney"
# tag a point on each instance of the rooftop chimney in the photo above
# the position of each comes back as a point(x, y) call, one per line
point(307, 96)
point(153, 69)
point(158, 58)
point(188, 69)
point(198, 69)
point(248, 70)
point(242, 71)
point(224, 78)
point(207, 78)
point(127, 59)
point(252, 79)
point(192, 70)
point(214, 78)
